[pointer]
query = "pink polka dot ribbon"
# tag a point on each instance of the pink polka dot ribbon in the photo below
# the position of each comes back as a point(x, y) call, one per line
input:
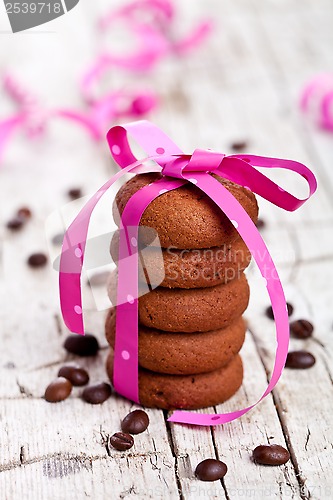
point(151, 23)
point(177, 169)
point(317, 100)
point(33, 117)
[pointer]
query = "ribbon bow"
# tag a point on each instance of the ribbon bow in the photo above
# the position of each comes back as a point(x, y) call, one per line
point(177, 169)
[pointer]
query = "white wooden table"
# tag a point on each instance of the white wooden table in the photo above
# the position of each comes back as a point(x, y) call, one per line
point(245, 85)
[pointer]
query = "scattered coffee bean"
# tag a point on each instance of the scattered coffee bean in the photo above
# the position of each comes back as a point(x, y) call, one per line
point(82, 345)
point(290, 309)
point(121, 441)
point(239, 145)
point(99, 279)
point(97, 394)
point(75, 374)
point(15, 223)
point(58, 390)
point(37, 260)
point(300, 359)
point(20, 218)
point(135, 422)
point(211, 470)
point(10, 365)
point(269, 311)
point(272, 454)
point(24, 213)
point(260, 224)
point(58, 239)
point(301, 329)
point(75, 193)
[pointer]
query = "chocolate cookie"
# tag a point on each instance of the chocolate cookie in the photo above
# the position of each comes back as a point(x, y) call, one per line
point(198, 268)
point(187, 392)
point(184, 353)
point(186, 217)
point(193, 310)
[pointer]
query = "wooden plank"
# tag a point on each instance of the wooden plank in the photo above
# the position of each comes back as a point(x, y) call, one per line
point(244, 86)
point(191, 445)
point(236, 441)
point(49, 429)
point(304, 397)
point(78, 476)
point(64, 439)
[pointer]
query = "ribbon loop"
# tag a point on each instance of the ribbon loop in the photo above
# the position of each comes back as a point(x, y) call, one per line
point(150, 138)
point(240, 169)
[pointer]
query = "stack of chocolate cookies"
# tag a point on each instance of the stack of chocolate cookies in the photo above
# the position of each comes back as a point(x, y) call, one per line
point(190, 327)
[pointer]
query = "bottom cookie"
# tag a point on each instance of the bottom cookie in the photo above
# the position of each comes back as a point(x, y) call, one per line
point(187, 392)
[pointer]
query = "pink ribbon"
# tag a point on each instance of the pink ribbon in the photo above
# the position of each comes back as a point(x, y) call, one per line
point(33, 117)
point(154, 39)
point(317, 96)
point(177, 169)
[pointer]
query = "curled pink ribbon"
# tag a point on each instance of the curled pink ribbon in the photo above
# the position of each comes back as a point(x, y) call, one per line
point(154, 38)
point(33, 117)
point(177, 169)
point(317, 97)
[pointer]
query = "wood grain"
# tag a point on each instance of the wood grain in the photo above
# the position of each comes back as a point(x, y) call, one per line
point(243, 84)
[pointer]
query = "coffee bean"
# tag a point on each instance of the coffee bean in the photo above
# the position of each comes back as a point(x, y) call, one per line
point(20, 218)
point(260, 224)
point(121, 441)
point(75, 193)
point(290, 309)
point(272, 454)
point(37, 260)
point(97, 394)
point(300, 359)
point(239, 145)
point(269, 310)
point(15, 223)
point(58, 390)
point(211, 470)
point(301, 329)
point(24, 213)
point(82, 345)
point(75, 374)
point(58, 239)
point(135, 422)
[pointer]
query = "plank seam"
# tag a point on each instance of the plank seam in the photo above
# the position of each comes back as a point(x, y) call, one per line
point(218, 458)
point(277, 404)
point(174, 454)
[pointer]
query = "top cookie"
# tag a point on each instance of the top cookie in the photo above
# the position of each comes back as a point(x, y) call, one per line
point(186, 217)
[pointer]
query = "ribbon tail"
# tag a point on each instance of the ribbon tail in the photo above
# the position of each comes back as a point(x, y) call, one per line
point(251, 236)
point(194, 39)
point(326, 119)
